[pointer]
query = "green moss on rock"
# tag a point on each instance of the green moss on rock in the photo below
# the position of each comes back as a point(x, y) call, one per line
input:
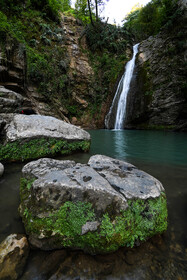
point(140, 221)
point(37, 148)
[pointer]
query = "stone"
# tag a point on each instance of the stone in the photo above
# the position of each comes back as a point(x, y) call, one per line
point(37, 126)
point(126, 178)
point(40, 167)
point(12, 102)
point(1, 169)
point(89, 226)
point(14, 251)
point(35, 136)
point(74, 120)
point(97, 207)
point(157, 100)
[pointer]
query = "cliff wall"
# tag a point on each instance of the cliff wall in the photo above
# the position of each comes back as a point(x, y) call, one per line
point(57, 74)
point(158, 95)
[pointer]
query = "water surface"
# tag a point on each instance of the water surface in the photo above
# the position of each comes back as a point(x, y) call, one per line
point(163, 155)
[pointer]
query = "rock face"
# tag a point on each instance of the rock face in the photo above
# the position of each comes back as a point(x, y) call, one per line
point(75, 70)
point(12, 102)
point(157, 98)
point(1, 169)
point(13, 255)
point(97, 207)
point(34, 136)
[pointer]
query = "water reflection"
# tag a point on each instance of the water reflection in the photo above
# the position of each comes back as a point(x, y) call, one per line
point(120, 144)
point(148, 146)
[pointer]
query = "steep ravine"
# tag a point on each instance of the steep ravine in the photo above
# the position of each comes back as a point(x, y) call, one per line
point(158, 99)
point(83, 98)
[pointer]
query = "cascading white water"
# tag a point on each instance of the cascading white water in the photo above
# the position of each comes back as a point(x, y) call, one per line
point(121, 93)
point(121, 109)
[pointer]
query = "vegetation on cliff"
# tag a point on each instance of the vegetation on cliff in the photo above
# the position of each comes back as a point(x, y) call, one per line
point(146, 21)
point(45, 42)
point(37, 27)
point(158, 98)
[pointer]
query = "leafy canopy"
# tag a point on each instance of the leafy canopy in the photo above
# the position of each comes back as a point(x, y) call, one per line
point(146, 21)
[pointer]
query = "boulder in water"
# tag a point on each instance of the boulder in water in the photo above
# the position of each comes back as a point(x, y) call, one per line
point(14, 251)
point(97, 207)
point(35, 136)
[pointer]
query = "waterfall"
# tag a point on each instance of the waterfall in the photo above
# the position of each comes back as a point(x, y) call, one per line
point(120, 98)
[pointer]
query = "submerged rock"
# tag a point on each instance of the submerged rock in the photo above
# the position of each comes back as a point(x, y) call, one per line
point(35, 136)
point(13, 255)
point(97, 207)
point(1, 169)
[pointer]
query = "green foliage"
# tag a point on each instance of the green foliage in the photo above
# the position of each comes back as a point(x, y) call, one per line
point(49, 8)
point(82, 12)
point(46, 71)
point(107, 37)
point(70, 218)
point(107, 45)
point(42, 42)
point(37, 148)
point(148, 20)
point(141, 220)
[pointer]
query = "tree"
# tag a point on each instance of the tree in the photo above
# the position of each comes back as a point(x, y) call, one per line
point(90, 11)
point(81, 11)
point(94, 5)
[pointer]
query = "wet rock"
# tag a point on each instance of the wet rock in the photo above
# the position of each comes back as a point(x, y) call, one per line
point(126, 178)
point(39, 168)
point(89, 226)
point(97, 207)
point(1, 169)
point(13, 255)
point(157, 98)
point(42, 265)
point(10, 101)
point(35, 136)
point(36, 126)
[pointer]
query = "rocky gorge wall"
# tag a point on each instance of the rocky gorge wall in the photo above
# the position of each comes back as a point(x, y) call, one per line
point(157, 99)
point(77, 88)
point(76, 95)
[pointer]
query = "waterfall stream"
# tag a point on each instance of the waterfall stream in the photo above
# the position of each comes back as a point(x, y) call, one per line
point(118, 106)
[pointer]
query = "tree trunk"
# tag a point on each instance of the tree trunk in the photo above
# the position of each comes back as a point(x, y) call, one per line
point(90, 12)
point(96, 8)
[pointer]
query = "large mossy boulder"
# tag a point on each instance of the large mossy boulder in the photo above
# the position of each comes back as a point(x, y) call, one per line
point(35, 136)
point(97, 207)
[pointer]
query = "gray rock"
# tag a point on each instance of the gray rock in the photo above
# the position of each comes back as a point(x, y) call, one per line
point(41, 167)
point(156, 99)
point(1, 169)
point(14, 251)
point(36, 126)
point(79, 183)
point(11, 101)
point(26, 137)
point(126, 178)
point(90, 226)
point(97, 207)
